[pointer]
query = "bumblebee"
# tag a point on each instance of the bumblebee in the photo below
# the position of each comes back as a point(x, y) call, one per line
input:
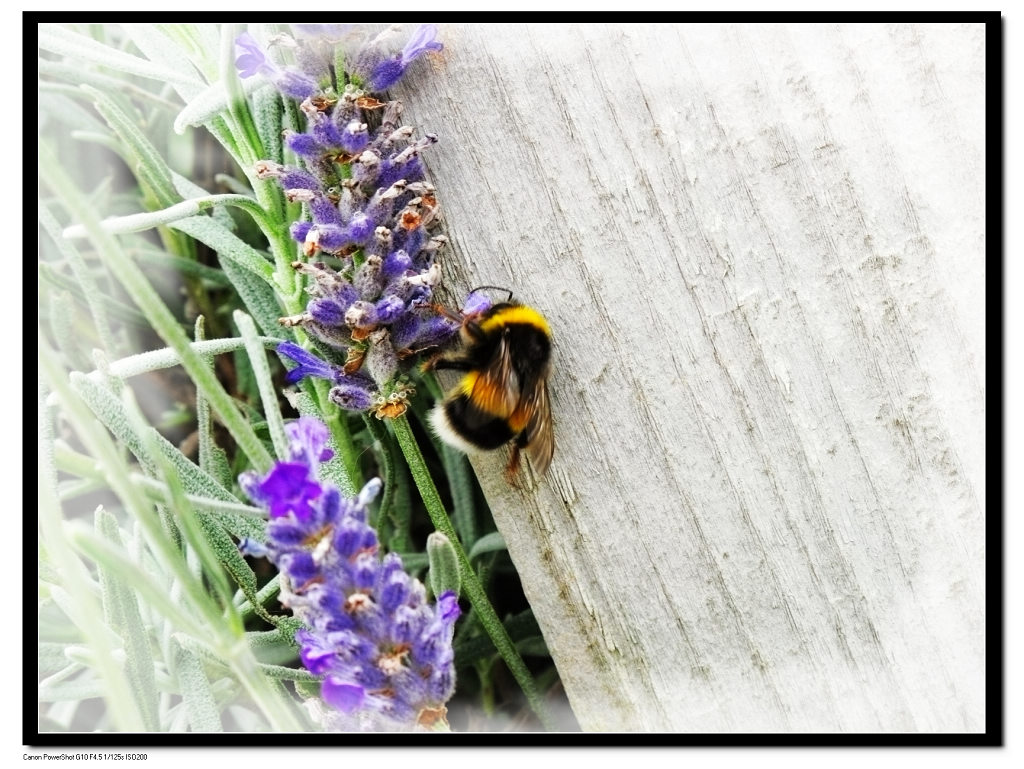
point(503, 394)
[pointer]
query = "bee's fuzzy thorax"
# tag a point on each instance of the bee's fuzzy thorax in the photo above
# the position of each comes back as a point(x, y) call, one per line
point(515, 314)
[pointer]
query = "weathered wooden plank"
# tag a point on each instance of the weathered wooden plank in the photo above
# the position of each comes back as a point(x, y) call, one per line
point(761, 251)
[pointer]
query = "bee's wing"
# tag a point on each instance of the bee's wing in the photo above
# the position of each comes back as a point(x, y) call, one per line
point(496, 389)
point(539, 433)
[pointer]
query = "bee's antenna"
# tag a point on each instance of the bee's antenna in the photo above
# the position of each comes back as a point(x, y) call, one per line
point(495, 288)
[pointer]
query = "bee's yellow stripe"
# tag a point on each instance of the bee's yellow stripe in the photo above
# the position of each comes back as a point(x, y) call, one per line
point(466, 385)
point(518, 314)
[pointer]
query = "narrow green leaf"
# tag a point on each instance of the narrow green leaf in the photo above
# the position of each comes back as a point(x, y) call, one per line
point(386, 450)
point(154, 489)
point(55, 103)
point(229, 247)
point(238, 105)
point(268, 392)
point(62, 328)
point(210, 103)
point(200, 648)
point(167, 357)
point(72, 691)
point(336, 469)
point(162, 51)
point(117, 561)
point(194, 686)
point(228, 554)
point(150, 162)
point(51, 659)
point(460, 480)
point(189, 189)
point(82, 607)
point(288, 674)
point(268, 113)
point(272, 639)
point(76, 76)
point(116, 309)
point(259, 299)
point(119, 225)
point(71, 668)
point(152, 306)
point(106, 406)
point(122, 613)
point(199, 529)
point(58, 39)
point(270, 590)
point(488, 543)
point(181, 265)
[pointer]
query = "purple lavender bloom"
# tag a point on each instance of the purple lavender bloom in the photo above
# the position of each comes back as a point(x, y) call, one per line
point(312, 49)
point(423, 39)
point(384, 652)
point(287, 489)
point(389, 71)
point(309, 364)
point(252, 60)
point(353, 392)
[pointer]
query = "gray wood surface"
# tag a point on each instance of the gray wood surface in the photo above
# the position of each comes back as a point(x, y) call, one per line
point(761, 252)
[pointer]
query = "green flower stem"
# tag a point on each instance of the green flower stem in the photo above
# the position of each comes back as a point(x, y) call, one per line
point(247, 149)
point(473, 588)
point(156, 312)
point(387, 460)
point(337, 423)
point(237, 103)
point(250, 148)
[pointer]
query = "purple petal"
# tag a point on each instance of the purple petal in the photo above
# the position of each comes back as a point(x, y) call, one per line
point(422, 40)
point(344, 696)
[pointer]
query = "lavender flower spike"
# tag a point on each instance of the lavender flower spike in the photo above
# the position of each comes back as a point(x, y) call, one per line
point(384, 652)
point(368, 236)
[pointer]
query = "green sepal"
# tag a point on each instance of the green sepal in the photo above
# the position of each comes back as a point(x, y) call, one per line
point(444, 565)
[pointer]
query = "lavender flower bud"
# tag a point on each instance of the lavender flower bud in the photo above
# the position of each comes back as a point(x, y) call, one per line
point(381, 360)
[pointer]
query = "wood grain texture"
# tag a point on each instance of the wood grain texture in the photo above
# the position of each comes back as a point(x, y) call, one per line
point(761, 252)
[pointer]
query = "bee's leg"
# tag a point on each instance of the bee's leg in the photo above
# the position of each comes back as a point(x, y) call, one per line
point(439, 362)
point(515, 461)
point(473, 329)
